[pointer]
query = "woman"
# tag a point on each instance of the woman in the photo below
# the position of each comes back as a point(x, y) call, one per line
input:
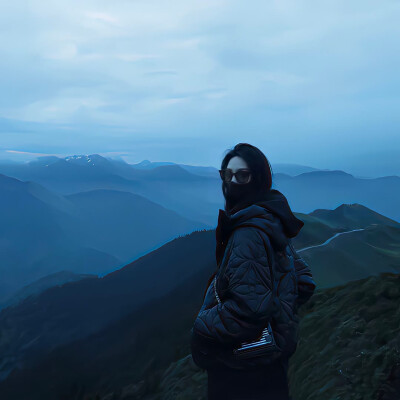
point(259, 279)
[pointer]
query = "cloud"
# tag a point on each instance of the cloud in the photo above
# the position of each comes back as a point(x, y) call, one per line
point(29, 152)
point(104, 17)
point(302, 68)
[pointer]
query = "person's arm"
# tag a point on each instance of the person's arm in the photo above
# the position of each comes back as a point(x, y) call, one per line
point(306, 284)
point(248, 300)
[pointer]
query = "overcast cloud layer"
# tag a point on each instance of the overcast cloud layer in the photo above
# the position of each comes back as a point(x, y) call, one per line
point(311, 82)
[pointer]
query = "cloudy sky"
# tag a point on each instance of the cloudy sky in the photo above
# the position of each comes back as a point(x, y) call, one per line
point(309, 82)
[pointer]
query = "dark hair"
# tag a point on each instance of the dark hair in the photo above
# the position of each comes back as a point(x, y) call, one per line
point(256, 160)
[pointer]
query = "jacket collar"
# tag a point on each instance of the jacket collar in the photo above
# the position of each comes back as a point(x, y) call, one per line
point(271, 213)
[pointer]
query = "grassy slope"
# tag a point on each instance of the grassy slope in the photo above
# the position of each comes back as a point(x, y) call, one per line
point(349, 340)
point(349, 345)
point(355, 255)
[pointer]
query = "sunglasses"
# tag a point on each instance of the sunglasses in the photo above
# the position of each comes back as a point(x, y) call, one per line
point(242, 175)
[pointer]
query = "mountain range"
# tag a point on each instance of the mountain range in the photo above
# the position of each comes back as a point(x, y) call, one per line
point(93, 232)
point(92, 215)
point(195, 192)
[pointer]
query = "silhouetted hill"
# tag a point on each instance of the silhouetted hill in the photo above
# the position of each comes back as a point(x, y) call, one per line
point(60, 315)
point(39, 286)
point(130, 349)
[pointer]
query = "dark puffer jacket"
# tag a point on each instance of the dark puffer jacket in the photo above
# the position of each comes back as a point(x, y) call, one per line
point(257, 254)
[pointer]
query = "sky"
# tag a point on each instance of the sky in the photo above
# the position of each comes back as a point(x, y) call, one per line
point(315, 83)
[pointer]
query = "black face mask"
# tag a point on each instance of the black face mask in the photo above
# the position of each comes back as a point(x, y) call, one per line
point(237, 193)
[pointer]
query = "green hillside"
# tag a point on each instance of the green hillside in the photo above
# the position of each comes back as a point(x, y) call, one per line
point(351, 216)
point(355, 255)
point(322, 224)
point(349, 348)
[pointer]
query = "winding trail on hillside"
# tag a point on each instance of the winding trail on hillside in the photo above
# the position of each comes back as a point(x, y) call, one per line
point(327, 241)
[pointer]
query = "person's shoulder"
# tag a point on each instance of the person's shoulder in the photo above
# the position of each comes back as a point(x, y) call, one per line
point(249, 232)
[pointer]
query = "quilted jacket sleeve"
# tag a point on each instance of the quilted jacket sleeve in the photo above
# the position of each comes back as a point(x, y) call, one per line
point(248, 301)
point(306, 284)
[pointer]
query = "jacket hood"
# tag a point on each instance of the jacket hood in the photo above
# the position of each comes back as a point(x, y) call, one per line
point(272, 214)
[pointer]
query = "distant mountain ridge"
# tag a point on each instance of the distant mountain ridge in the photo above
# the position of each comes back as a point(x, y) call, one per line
point(91, 232)
point(186, 189)
point(351, 216)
